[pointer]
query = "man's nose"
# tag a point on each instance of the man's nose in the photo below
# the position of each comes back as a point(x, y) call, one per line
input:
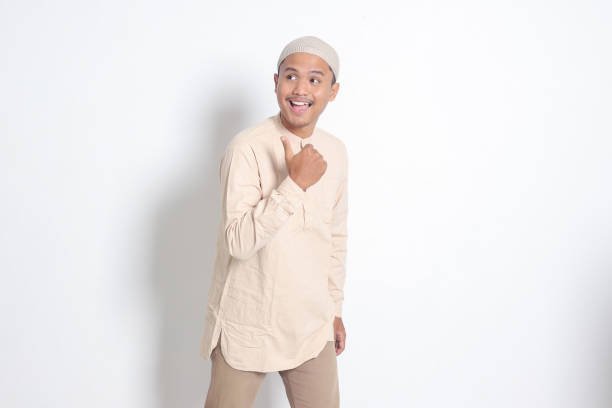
point(301, 86)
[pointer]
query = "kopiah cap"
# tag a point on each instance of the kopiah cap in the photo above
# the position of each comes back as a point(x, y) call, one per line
point(312, 45)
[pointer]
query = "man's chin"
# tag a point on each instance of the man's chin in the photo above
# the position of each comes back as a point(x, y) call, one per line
point(295, 121)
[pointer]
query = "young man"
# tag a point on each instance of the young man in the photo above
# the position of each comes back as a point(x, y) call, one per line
point(275, 302)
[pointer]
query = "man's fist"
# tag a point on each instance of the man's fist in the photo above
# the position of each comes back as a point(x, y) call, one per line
point(306, 167)
point(339, 335)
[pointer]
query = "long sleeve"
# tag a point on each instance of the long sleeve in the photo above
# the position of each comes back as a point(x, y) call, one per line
point(250, 220)
point(339, 239)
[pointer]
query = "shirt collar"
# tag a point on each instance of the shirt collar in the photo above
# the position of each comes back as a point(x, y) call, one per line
point(300, 141)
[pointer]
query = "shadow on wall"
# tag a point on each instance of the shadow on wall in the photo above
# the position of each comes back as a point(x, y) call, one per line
point(182, 261)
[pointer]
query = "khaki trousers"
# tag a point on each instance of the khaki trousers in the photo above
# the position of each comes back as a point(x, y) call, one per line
point(313, 384)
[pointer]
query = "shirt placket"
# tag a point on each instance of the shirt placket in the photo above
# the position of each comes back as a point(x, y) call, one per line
point(306, 204)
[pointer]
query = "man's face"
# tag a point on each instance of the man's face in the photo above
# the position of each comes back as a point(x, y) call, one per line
point(303, 87)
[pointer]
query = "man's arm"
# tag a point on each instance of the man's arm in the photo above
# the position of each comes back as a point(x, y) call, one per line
point(339, 238)
point(251, 221)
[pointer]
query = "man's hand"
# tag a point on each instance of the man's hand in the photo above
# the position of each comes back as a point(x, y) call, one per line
point(305, 167)
point(339, 335)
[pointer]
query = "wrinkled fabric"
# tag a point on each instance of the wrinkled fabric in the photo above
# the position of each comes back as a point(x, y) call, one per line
point(279, 268)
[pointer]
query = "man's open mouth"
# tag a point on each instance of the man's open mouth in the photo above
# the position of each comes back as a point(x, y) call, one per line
point(299, 106)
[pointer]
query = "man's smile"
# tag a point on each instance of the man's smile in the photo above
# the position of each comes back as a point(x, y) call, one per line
point(298, 106)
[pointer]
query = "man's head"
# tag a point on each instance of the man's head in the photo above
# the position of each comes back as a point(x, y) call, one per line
point(307, 71)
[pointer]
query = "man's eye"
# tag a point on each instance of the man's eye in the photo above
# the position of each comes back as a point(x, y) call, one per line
point(315, 80)
point(290, 76)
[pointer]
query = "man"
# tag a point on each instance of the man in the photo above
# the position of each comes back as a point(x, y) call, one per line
point(275, 302)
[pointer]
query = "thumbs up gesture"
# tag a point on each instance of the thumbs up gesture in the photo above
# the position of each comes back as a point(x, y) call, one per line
point(305, 167)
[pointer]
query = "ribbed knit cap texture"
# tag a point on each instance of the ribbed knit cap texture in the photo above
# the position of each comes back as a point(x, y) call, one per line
point(312, 45)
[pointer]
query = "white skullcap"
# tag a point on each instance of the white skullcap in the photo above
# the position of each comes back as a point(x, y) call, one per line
point(312, 45)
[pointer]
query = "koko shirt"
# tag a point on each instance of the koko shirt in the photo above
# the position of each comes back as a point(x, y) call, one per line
point(279, 268)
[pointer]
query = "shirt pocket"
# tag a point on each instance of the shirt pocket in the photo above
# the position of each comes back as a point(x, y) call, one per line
point(322, 214)
point(328, 198)
point(322, 211)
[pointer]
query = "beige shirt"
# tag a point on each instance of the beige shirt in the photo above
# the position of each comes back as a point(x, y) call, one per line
point(280, 259)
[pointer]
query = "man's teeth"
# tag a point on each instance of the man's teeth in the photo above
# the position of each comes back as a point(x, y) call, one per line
point(299, 103)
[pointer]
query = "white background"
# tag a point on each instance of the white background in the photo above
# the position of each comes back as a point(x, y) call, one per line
point(480, 252)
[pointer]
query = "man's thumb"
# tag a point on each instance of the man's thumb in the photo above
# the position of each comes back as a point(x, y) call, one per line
point(288, 149)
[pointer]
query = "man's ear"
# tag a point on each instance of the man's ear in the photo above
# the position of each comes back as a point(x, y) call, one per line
point(334, 91)
point(275, 82)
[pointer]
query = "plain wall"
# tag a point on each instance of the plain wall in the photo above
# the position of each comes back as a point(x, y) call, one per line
point(479, 266)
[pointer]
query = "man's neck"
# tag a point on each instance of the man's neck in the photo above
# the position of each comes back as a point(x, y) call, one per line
point(303, 132)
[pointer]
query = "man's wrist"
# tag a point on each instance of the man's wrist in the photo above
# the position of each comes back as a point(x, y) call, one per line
point(295, 181)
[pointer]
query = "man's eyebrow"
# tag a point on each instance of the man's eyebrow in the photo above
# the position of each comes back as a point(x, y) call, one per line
point(314, 71)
